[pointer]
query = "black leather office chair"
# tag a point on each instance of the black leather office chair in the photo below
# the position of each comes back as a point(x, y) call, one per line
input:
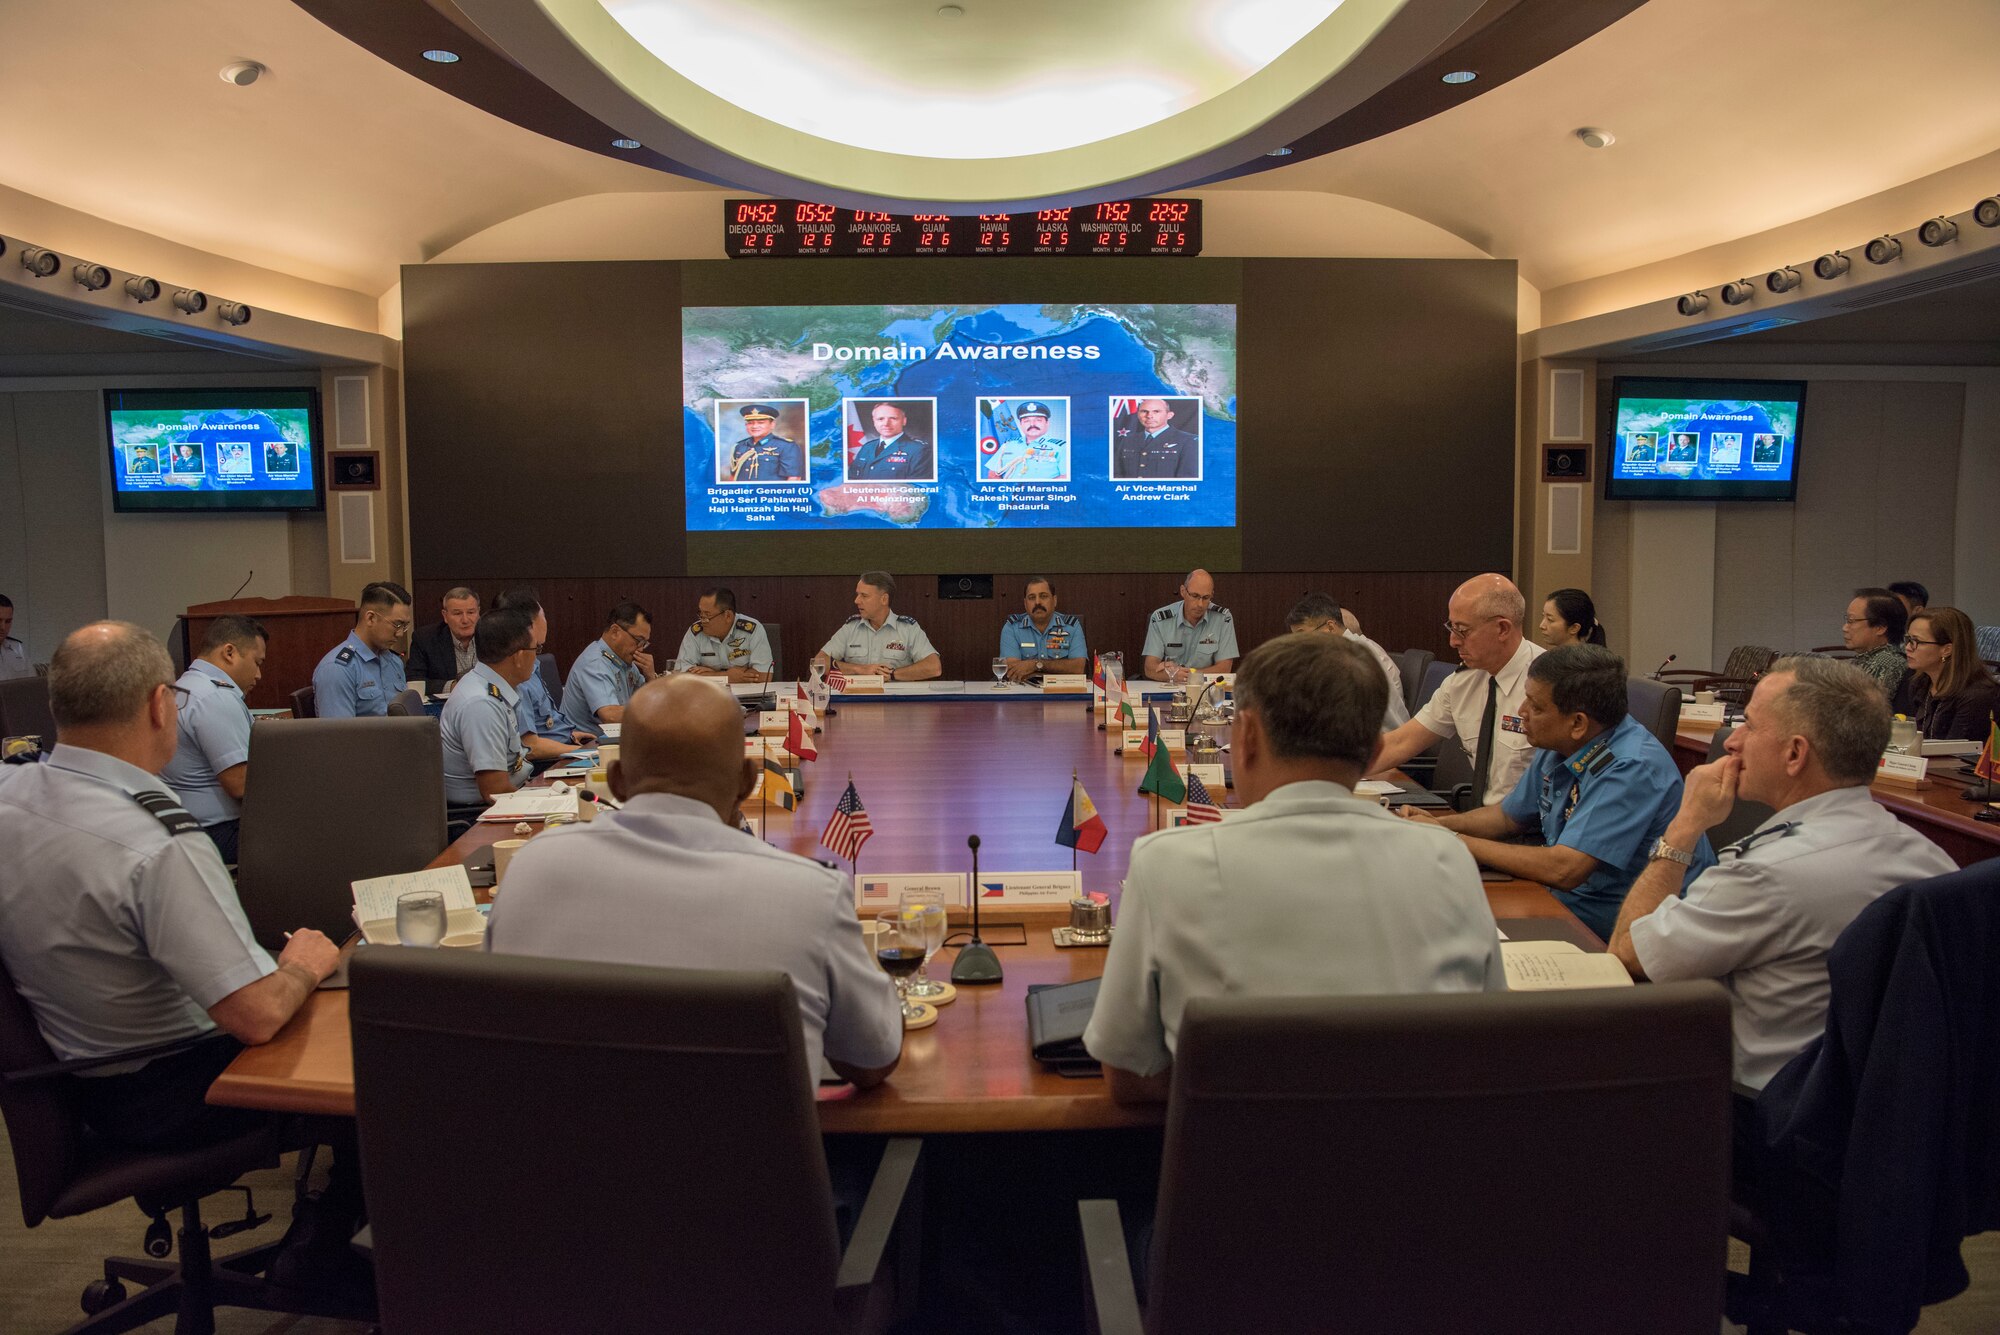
point(1434, 676)
point(407, 704)
point(551, 675)
point(24, 710)
point(1746, 663)
point(335, 801)
point(304, 703)
point(1745, 816)
point(1413, 665)
point(1411, 1164)
point(686, 1163)
point(1657, 706)
point(777, 642)
point(1452, 777)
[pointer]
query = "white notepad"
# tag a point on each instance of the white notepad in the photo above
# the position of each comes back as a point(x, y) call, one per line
point(375, 905)
point(529, 804)
point(1547, 966)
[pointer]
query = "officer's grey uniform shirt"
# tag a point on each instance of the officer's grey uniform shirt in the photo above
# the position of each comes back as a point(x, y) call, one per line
point(353, 681)
point(118, 934)
point(743, 645)
point(1764, 917)
point(1398, 713)
point(214, 736)
point(537, 712)
point(664, 882)
point(481, 726)
point(598, 680)
point(14, 660)
point(1312, 891)
point(1169, 637)
point(1458, 705)
point(898, 642)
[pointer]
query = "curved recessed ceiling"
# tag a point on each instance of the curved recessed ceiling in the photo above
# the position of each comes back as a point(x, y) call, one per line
point(1011, 102)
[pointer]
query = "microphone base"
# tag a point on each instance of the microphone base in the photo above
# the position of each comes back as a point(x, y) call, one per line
point(976, 963)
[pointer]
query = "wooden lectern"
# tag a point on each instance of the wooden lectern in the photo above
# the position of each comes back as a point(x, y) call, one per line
point(298, 633)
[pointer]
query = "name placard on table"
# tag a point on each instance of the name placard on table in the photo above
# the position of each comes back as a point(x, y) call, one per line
point(1065, 684)
point(1897, 767)
point(1710, 714)
point(1174, 739)
point(873, 893)
point(1210, 775)
point(1019, 889)
point(864, 685)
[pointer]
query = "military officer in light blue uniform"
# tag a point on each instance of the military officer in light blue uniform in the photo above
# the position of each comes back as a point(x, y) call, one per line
point(212, 757)
point(1042, 639)
point(610, 668)
point(483, 755)
point(546, 731)
point(877, 642)
point(1036, 456)
point(722, 644)
point(13, 653)
point(1192, 633)
point(1600, 789)
point(363, 673)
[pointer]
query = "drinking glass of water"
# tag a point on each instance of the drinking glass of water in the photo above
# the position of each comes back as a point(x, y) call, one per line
point(420, 917)
point(999, 672)
point(927, 907)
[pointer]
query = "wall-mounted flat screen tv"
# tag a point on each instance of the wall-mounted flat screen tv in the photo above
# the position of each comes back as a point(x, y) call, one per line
point(179, 450)
point(1704, 440)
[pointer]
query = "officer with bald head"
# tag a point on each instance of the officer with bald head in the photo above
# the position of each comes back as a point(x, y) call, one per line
point(671, 880)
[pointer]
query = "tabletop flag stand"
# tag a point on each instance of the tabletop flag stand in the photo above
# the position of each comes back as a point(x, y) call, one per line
point(1987, 770)
point(1202, 808)
point(775, 777)
point(848, 828)
point(1161, 779)
point(1081, 826)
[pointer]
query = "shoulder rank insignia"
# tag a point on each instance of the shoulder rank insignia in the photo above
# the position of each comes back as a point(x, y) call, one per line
point(695, 629)
point(746, 624)
point(1782, 830)
point(168, 812)
point(493, 692)
point(1165, 613)
point(905, 621)
point(1224, 611)
point(346, 655)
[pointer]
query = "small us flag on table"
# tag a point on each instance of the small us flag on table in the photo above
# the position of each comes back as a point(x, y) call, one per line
point(1201, 807)
point(849, 828)
point(836, 680)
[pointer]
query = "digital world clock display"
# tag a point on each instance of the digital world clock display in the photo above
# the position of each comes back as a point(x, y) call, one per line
point(792, 228)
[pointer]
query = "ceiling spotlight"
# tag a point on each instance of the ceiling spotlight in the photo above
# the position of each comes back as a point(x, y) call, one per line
point(1987, 211)
point(438, 56)
point(232, 312)
point(1738, 292)
point(41, 263)
point(1458, 76)
point(951, 11)
point(1694, 303)
point(94, 277)
point(1278, 153)
point(1595, 138)
point(625, 143)
point(1783, 280)
point(1937, 232)
point(1883, 249)
point(142, 289)
point(189, 302)
point(242, 73)
point(1831, 265)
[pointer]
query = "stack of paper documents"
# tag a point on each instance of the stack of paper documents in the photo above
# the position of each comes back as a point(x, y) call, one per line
point(529, 804)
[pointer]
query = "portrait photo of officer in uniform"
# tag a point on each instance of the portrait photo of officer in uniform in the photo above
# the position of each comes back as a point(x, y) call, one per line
point(1766, 447)
point(760, 440)
point(1682, 447)
point(280, 459)
point(895, 440)
point(1156, 438)
point(1024, 440)
point(188, 458)
point(1639, 447)
point(141, 459)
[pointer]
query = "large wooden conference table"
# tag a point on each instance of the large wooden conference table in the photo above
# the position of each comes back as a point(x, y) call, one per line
point(930, 772)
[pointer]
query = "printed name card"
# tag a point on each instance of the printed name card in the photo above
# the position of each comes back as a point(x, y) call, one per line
point(1021, 889)
point(1896, 767)
point(1174, 739)
point(773, 722)
point(874, 893)
point(1210, 775)
point(753, 748)
point(1060, 684)
point(865, 685)
point(1694, 713)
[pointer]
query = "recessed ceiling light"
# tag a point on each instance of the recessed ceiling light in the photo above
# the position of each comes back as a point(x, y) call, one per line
point(441, 57)
point(241, 73)
point(951, 11)
point(1460, 76)
point(1596, 138)
point(625, 143)
point(1278, 153)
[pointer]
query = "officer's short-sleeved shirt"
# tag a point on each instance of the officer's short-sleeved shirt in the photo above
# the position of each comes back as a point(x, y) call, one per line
point(743, 645)
point(1209, 641)
point(14, 660)
point(353, 681)
point(214, 736)
point(118, 934)
point(482, 731)
point(1613, 800)
point(1397, 713)
point(898, 642)
point(1062, 639)
point(1458, 705)
point(598, 680)
point(1312, 891)
point(1763, 919)
point(664, 882)
point(538, 715)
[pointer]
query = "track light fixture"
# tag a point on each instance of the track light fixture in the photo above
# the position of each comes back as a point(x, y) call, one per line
point(92, 277)
point(1694, 303)
point(189, 302)
point(41, 263)
point(1883, 250)
point(1783, 280)
point(232, 312)
point(1738, 292)
point(1832, 265)
point(142, 289)
point(1987, 211)
point(1937, 232)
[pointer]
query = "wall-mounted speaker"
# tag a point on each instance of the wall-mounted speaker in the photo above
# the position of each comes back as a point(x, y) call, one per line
point(1566, 519)
point(1565, 404)
point(1565, 463)
point(965, 586)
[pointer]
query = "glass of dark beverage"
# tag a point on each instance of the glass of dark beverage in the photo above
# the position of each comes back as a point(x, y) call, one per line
point(899, 949)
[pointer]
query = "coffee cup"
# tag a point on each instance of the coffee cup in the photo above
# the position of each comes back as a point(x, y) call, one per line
point(1704, 697)
point(503, 853)
point(607, 755)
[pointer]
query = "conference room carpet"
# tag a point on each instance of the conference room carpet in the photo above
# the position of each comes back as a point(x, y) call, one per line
point(43, 1270)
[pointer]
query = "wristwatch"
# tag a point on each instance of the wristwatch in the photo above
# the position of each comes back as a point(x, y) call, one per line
point(1663, 849)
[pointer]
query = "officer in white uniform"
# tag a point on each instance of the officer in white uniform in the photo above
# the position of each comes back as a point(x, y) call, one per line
point(609, 669)
point(1307, 890)
point(211, 764)
point(721, 643)
point(363, 673)
point(1485, 619)
point(483, 754)
point(1036, 456)
point(1322, 613)
point(1192, 633)
point(13, 653)
point(876, 640)
point(1764, 918)
point(670, 880)
point(1041, 639)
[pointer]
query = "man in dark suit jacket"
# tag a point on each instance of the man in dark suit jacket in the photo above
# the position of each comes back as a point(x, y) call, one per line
point(1161, 449)
point(440, 653)
point(891, 454)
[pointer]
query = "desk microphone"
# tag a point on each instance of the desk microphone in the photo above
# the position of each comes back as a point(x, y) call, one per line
point(244, 585)
point(1664, 666)
point(976, 961)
